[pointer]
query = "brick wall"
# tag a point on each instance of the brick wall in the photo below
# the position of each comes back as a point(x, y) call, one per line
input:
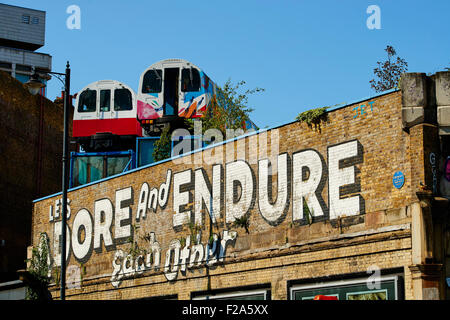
point(343, 169)
point(23, 176)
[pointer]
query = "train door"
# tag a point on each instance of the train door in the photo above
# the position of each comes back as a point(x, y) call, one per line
point(104, 110)
point(171, 91)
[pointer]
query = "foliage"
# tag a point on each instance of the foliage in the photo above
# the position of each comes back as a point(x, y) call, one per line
point(243, 222)
point(307, 213)
point(39, 270)
point(195, 229)
point(313, 116)
point(162, 146)
point(59, 100)
point(388, 73)
point(182, 241)
point(229, 109)
point(134, 250)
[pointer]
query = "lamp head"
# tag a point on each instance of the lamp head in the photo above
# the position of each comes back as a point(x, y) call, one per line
point(34, 84)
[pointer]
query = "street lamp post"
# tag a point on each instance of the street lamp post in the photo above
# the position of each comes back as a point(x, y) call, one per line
point(33, 86)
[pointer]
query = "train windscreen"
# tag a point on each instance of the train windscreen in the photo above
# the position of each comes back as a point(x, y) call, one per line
point(87, 101)
point(122, 100)
point(152, 82)
point(190, 79)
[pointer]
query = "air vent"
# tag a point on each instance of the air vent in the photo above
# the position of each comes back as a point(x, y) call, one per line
point(26, 19)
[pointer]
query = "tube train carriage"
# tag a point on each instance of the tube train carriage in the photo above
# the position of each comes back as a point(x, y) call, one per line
point(110, 116)
point(105, 116)
point(171, 90)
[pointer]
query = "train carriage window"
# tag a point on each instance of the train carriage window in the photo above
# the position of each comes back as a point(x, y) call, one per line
point(122, 100)
point(88, 100)
point(105, 100)
point(152, 81)
point(190, 80)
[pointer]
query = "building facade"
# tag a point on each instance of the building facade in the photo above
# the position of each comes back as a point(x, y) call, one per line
point(22, 32)
point(31, 152)
point(349, 206)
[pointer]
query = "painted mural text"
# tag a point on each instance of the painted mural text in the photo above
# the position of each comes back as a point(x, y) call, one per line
point(362, 110)
point(226, 193)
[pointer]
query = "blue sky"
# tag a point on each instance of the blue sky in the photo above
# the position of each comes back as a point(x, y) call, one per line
point(305, 54)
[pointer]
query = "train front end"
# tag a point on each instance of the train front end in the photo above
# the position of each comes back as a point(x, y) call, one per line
point(170, 91)
point(105, 117)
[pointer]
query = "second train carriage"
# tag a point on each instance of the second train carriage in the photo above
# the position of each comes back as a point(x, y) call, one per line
point(171, 90)
point(105, 117)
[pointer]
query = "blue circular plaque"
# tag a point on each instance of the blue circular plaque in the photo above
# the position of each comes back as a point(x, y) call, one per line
point(398, 180)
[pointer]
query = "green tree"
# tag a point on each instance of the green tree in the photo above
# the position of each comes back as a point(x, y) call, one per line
point(388, 73)
point(37, 278)
point(162, 146)
point(229, 109)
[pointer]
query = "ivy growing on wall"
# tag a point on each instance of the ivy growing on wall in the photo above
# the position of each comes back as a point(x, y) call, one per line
point(313, 116)
point(38, 276)
point(242, 222)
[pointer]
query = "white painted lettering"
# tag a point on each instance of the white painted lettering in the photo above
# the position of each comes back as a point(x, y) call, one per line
point(339, 177)
point(122, 215)
point(181, 198)
point(103, 218)
point(307, 172)
point(238, 173)
point(273, 211)
point(83, 220)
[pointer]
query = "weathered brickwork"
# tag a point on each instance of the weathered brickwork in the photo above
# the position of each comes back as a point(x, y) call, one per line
point(30, 157)
point(343, 170)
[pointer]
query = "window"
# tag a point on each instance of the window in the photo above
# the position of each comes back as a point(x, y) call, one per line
point(152, 81)
point(90, 168)
point(190, 80)
point(87, 101)
point(5, 65)
point(242, 293)
point(23, 68)
point(41, 70)
point(122, 100)
point(145, 147)
point(26, 19)
point(87, 169)
point(356, 289)
point(105, 100)
point(116, 165)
